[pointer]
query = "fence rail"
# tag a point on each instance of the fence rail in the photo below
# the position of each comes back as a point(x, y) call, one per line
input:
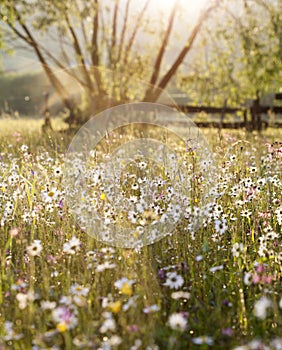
point(252, 116)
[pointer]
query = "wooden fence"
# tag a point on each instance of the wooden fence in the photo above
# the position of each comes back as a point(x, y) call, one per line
point(251, 120)
point(251, 116)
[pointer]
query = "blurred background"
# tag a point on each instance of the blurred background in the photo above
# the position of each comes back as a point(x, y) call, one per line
point(76, 58)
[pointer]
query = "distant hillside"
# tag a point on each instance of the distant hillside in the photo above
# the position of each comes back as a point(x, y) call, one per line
point(23, 93)
point(20, 61)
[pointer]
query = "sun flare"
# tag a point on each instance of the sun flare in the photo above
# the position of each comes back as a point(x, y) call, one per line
point(191, 7)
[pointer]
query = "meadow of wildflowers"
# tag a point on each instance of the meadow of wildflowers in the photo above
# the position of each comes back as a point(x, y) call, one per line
point(217, 287)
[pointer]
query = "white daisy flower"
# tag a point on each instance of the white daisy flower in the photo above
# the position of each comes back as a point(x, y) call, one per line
point(58, 172)
point(78, 290)
point(203, 340)
point(237, 249)
point(180, 295)
point(65, 318)
point(173, 280)
point(177, 321)
point(72, 246)
point(150, 309)
point(261, 307)
point(220, 226)
point(119, 284)
point(47, 305)
point(248, 278)
point(35, 248)
point(108, 325)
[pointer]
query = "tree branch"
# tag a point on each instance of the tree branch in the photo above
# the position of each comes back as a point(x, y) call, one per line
point(29, 39)
point(134, 33)
point(59, 64)
point(157, 66)
point(94, 41)
point(79, 54)
point(123, 31)
point(94, 49)
point(114, 32)
point(174, 67)
point(83, 29)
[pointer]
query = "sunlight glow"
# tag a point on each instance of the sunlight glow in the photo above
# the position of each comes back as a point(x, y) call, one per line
point(190, 7)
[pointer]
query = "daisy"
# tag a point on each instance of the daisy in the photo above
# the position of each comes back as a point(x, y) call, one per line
point(237, 249)
point(72, 246)
point(261, 181)
point(253, 169)
point(180, 295)
point(246, 213)
point(78, 290)
point(115, 340)
point(24, 148)
point(272, 235)
point(199, 258)
point(9, 208)
point(261, 307)
point(239, 203)
point(124, 285)
point(173, 280)
point(220, 226)
point(278, 213)
point(65, 318)
point(23, 299)
point(26, 217)
point(50, 195)
point(248, 278)
point(35, 248)
point(105, 266)
point(115, 306)
point(203, 340)
point(130, 303)
point(13, 179)
point(132, 216)
point(247, 182)
point(150, 309)
point(10, 333)
point(177, 321)
point(133, 199)
point(276, 343)
point(66, 300)
point(58, 172)
point(135, 186)
point(49, 208)
point(142, 165)
point(108, 325)
point(216, 268)
point(47, 305)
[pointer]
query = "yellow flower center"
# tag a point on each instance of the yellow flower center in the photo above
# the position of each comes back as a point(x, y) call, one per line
point(115, 307)
point(61, 327)
point(126, 289)
point(103, 196)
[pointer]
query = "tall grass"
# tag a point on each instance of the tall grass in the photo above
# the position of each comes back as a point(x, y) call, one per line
point(219, 289)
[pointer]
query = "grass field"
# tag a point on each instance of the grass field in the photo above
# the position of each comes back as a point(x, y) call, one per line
point(219, 287)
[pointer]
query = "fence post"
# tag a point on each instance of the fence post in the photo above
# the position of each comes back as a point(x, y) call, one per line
point(222, 115)
point(245, 116)
point(47, 120)
point(256, 115)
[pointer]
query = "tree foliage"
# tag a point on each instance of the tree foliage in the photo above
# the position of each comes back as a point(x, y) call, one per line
point(86, 38)
point(239, 55)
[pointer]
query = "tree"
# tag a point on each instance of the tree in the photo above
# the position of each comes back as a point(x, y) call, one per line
point(90, 36)
point(240, 57)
